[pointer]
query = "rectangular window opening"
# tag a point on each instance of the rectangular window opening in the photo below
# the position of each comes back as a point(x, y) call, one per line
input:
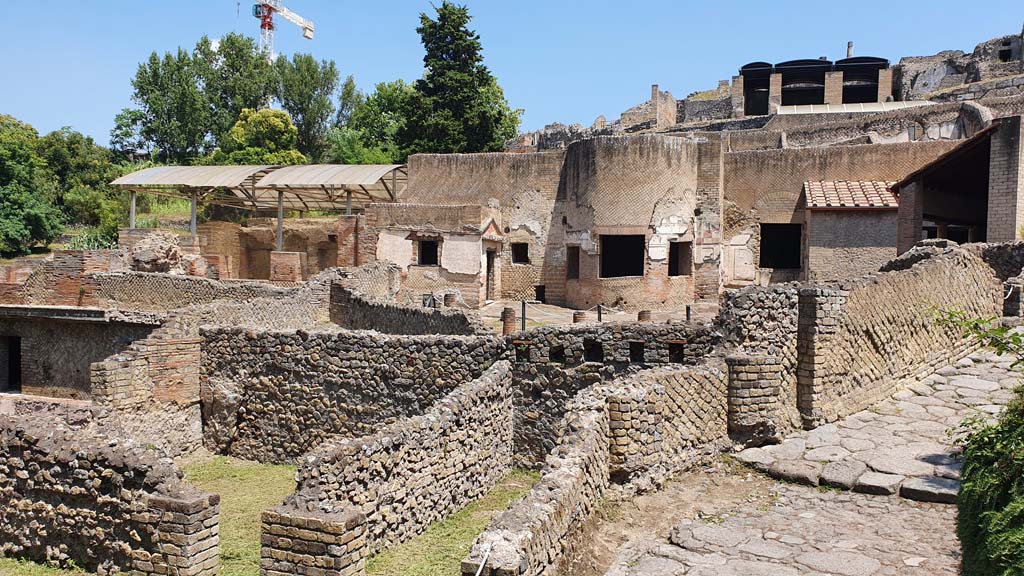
point(680, 258)
point(538, 293)
point(522, 352)
point(572, 262)
point(622, 255)
point(636, 352)
point(520, 253)
point(676, 352)
point(780, 246)
point(428, 253)
point(556, 354)
point(593, 351)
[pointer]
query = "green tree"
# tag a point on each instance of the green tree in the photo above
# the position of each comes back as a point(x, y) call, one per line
point(346, 146)
point(306, 91)
point(260, 137)
point(368, 137)
point(235, 75)
point(458, 105)
point(82, 171)
point(126, 136)
point(351, 97)
point(175, 114)
point(26, 188)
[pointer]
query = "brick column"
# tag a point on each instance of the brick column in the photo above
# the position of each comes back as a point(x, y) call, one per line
point(738, 100)
point(187, 537)
point(884, 84)
point(753, 397)
point(294, 541)
point(819, 310)
point(634, 426)
point(910, 217)
point(774, 93)
point(1005, 182)
point(834, 87)
point(1012, 302)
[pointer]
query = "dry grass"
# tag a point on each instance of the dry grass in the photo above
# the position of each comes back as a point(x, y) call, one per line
point(12, 567)
point(440, 549)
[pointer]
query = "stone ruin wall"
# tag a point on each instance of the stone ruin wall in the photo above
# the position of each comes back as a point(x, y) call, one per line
point(100, 502)
point(862, 340)
point(370, 493)
point(352, 311)
point(271, 395)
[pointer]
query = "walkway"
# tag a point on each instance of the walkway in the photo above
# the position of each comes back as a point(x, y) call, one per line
point(813, 524)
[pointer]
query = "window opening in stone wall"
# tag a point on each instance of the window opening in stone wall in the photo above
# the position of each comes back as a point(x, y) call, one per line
point(572, 262)
point(556, 354)
point(490, 279)
point(676, 352)
point(780, 246)
point(11, 350)
point(427, 253)
point(538, 293)
point(622, 255)
point(680, 258)
point(1005, 51)
point(636, 352)
point(593, 351)
point(522, 352)
point(520, 253)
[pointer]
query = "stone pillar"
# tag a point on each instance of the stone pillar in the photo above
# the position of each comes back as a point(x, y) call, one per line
point(754, 390)
point(910, 216)
point(834, 87)
point(508, 320)
point(449, 300)
point(819, 310)
point(578, 317)
point(941, 230)
point(643, 316)
point(885, 85)
point(774, 93)
point(1012, 300)
point(187, 537)
point(1005, 182)
point(738, 100)
point(287, 266)
point(298, 542)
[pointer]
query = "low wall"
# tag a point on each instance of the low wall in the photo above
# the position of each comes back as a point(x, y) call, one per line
point(162, 292)
point(350, 309)
point(640, 429)
point(860, 341)
point(104, 505)
point(358, 496)
point(274, 395)
point(553, 363)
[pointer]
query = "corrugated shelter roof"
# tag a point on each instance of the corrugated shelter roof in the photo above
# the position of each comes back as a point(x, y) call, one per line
point(849, 194)
point(307, 187)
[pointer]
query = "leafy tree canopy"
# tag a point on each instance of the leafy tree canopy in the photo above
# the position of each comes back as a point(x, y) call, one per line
point(235, 75)
point(458, 105)
point(260, 137)
point(306, 90)
point(175, 112)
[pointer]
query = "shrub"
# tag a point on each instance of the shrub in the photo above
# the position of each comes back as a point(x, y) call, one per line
point(990, 522)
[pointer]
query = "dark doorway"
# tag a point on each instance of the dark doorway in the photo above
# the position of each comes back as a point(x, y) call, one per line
point(680, 258)
point(622, 255)
point(538, 293)
point(780, 246)
point(572, 262)
point(428, 253)
point(489, 290)
point(12, 350)
point(520, 253)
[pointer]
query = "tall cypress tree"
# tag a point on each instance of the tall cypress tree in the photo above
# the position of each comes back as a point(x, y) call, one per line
point(458, 105)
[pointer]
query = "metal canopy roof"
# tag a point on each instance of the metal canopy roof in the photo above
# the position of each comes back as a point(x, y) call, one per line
point(308, 187)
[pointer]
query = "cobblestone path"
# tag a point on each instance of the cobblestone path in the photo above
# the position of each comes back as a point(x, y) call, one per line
point(814, 525)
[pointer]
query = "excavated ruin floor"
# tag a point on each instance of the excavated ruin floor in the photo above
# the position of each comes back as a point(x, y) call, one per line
point(782, 528)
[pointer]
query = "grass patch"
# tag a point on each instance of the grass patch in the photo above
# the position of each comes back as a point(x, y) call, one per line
point(246, 489)
point(13, 567)
point(441, 548)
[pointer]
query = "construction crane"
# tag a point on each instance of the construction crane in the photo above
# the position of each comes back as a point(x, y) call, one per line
point(265, 11)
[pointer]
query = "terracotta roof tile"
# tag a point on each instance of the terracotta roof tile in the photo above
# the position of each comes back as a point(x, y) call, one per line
point(833, 194)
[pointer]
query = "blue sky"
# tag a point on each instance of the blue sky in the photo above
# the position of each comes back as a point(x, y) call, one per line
point(70, 63)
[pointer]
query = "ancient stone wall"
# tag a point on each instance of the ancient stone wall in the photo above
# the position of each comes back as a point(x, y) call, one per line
point(162, 292)
point(860, 341)
point(553, 363)
point(67, 496)
point(351, 310)
point(370, 493)
point(848, 243)
point(273, 395)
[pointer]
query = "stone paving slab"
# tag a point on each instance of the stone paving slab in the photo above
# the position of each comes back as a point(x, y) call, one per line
point(902, 445)
point(806, 531)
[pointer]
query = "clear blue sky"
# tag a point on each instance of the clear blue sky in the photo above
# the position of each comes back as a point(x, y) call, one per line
point(70, 63)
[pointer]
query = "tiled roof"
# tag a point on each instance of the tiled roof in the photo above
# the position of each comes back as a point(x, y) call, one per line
point(832, 194)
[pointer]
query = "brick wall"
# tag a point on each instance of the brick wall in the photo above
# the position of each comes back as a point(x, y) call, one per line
point(351, 310)
point(848, 243)
point(129, 510)
point(382, 489)
point(1006, 182)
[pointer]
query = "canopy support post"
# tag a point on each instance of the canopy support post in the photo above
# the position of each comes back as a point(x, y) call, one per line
point(348, 202)
point(131, 209)
point(192, 217)
point(280, 220)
